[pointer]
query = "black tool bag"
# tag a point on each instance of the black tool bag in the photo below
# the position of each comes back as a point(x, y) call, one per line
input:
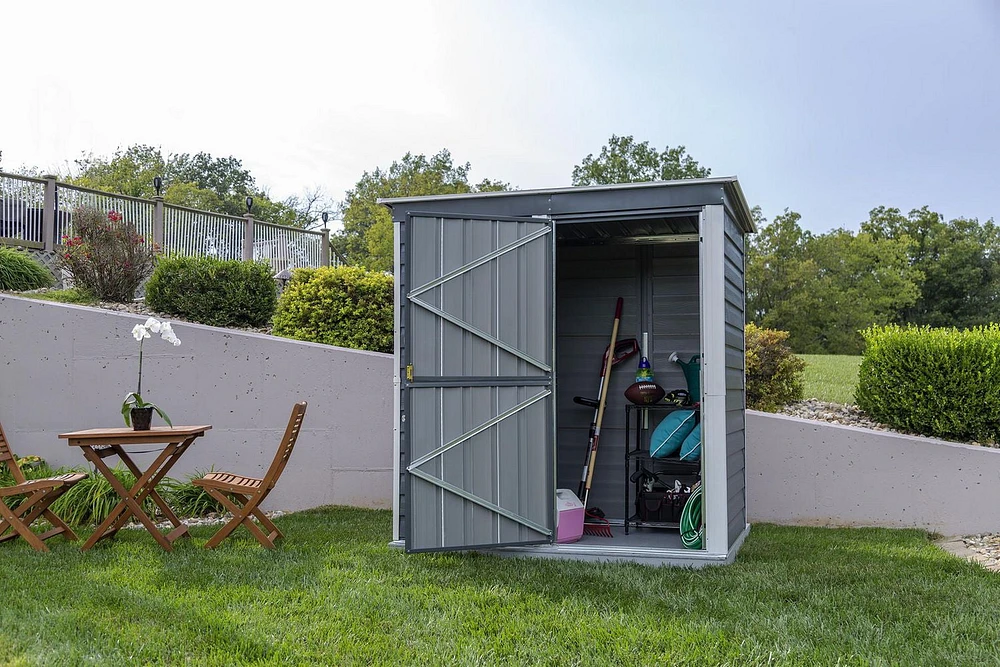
point(660, 496)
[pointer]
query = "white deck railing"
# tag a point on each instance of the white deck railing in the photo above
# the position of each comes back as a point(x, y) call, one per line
point(188, 231)
point(22, 200)
point(38, 212)
point(137, 211)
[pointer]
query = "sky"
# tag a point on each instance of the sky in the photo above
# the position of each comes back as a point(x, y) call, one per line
point(829, 108)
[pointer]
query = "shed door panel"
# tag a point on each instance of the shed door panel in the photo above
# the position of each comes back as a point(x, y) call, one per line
point(479, 451)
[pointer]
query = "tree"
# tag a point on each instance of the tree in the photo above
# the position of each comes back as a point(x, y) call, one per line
point(623, 160)
point(129, 172)
point(957, 260)
point(823, 289)
point(219, 185)
point(773, 263)
point(848, 283)
point(366, 238)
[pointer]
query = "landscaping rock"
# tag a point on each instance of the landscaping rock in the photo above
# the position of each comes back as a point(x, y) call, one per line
point(834, 413)
point(212, 519)
point(847, 415)
point(139, 308)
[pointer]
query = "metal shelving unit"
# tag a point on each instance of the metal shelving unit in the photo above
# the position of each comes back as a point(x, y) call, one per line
point(637, 428)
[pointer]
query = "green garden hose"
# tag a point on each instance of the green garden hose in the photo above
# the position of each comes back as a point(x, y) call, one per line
point(692, 528)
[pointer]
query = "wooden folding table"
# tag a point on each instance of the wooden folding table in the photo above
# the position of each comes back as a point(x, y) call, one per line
point(100, 443)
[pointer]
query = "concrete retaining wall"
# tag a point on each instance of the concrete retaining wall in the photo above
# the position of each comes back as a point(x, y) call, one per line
point(802, 471)
point(65, 368)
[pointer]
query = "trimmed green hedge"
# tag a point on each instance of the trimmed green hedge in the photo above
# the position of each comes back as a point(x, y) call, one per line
point(937, 382)
point(19, 271)
point(345, 306)
point(220, 293)
point(774, 374)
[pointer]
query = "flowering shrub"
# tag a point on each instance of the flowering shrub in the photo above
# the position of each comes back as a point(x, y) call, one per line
point(105, 255)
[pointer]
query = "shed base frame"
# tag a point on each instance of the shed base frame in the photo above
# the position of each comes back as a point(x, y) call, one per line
point(617, 554)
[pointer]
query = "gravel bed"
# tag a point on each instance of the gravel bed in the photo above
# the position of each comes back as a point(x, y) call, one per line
point(847, 415)
point(834, 413)
point(212, 519)
point(139, 308)
point(986, 549)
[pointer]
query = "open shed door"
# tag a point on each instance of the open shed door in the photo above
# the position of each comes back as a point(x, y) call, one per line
point(478, 429)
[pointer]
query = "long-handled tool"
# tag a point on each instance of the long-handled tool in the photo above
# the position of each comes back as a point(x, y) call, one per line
point(595, 524)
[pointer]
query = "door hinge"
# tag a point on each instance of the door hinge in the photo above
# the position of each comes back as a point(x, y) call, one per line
point(409, 372)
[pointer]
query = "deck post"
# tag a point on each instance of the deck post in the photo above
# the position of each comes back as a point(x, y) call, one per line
point(247, 237)
point(49, 213)
point(325, 253)
point(158, 220)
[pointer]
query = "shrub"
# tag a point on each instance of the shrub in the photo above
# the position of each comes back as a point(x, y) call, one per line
point(187, 500)
point(105, 255)
point(345, 306)
point(19, 271)
point(774, 374)
point(937, 382)
point(91, 500)
point(32, 467)
point(212, 291)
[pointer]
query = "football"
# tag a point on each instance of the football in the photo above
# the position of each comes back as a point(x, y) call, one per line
point(645, 393)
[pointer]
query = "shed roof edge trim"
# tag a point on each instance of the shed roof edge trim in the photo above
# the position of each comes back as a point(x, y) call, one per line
point(555, 191)
point(730, 184)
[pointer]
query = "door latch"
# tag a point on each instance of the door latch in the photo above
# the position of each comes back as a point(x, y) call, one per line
point(409, 372)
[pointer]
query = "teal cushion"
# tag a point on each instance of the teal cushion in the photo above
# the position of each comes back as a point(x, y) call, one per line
point(669, 434)
point(691, 448)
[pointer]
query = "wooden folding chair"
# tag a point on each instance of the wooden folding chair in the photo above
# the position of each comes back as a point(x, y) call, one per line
point(230, 489)
point(39, 494)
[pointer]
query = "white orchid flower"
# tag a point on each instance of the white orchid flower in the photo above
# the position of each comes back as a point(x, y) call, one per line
point(153, 325)
point(167, 334)
point(139, 332)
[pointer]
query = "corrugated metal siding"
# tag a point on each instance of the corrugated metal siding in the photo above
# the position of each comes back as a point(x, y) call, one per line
point(735, 391)
point(660, 287)
point(508, 464)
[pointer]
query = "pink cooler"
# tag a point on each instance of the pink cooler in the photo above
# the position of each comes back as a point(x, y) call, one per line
point(569, 522)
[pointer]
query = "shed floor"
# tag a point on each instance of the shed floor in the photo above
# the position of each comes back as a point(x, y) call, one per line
point(637, 537)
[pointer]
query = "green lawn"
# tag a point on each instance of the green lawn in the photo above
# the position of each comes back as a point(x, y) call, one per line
point(334, 593)
point(831, 377)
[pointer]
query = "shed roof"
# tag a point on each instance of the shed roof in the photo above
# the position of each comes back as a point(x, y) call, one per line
point(571, 204)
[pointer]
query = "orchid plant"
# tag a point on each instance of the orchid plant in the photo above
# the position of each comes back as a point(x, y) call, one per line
point(141, 332)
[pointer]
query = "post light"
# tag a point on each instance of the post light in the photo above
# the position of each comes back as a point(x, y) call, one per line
point(157, 184)
point(249, 203)
point(326, 218)
point(283, 277)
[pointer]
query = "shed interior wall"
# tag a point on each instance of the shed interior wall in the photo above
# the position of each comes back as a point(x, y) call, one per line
point(660, 287)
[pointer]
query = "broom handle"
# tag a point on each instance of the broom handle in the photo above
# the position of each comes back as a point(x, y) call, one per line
point(602, 401)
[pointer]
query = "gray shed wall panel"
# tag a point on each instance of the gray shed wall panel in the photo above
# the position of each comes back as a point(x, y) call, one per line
point(507, 298)
point(734, 275)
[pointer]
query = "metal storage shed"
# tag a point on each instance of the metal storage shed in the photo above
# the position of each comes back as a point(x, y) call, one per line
point(503, 310)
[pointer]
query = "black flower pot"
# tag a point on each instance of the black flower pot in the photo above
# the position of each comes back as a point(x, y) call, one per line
point(141, 418)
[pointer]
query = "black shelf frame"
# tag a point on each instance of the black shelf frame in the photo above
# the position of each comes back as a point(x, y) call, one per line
point(634, 455)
